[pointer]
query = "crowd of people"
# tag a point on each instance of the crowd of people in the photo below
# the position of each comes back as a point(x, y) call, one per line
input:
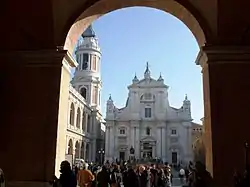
point(142, 175)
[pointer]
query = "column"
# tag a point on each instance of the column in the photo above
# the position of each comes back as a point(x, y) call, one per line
point(81, 119)
point(112, 141)
point(35, 90)
point(158, 143)
point(164, 144)
point(85, 146)
point(86, 121)
point(107, 143)
point(189, 144)
point(132, 137)
point(137, 142)
point(226, 99)
point(94, 123)
point(90, 152)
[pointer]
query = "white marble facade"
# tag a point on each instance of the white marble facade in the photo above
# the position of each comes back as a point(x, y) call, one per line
point(84, 136)
point(149, 124)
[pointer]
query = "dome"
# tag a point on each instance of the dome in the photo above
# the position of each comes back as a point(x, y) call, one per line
point(89, 40)
point(89, 32)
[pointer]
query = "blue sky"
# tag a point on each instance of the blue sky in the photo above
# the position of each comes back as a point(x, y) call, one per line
point(132, 36)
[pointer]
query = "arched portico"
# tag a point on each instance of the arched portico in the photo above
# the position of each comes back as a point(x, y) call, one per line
point(31, 40)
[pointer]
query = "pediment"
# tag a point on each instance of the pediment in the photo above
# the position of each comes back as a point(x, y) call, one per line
point(148, 83)
point(148, 139)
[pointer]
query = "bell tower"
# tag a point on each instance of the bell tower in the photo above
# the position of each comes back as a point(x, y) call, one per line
point(87, 78)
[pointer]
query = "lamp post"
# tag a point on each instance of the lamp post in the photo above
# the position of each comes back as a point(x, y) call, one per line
point(101, 153)
point(246, 153)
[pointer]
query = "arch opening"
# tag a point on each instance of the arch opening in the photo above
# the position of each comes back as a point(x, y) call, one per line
point(191, 19)
point(77, 150)
point(78, 118)
point(70, 147)
point(72, 114)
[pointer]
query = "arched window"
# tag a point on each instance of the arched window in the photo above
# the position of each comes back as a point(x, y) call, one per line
point(78, 118)
point(146, 96)
point(77, 150)
point(70, 147)
point(83, 122)
point(82, 150)
point(148, 131)
point(72, 114)
point(83, 92)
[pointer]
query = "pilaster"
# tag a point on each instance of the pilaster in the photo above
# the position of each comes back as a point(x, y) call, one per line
point(226, 96)
point(35, 91)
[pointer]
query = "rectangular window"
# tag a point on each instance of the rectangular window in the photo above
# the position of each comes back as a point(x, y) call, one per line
point(85, 61)
point(122, 131)
point(85, 57)
point(148, 113)
point(173, 131)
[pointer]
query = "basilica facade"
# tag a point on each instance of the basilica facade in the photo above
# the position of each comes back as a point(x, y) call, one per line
point(85, 130)
point(148, 127)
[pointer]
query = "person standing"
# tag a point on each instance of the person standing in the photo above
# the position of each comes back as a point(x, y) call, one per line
point(85, 177)
point(2, 179)
point(103, 178)
point(67, 177)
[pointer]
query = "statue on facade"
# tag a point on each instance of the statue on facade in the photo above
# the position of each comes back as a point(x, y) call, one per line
point(132, 150)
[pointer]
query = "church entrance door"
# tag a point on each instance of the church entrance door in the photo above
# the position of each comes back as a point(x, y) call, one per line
point(174, 157)
point(147, 151)
point(122, 155)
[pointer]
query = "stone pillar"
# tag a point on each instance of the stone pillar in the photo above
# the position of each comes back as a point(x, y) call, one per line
point(164, 144)
point(94, 124)
point(158, 143)
point(35, 90)
point(226, 99)
point(137, 141)
point(107, 143)
point(85, 145)
point(132, 137)
point(86, 121)
point(112, 142)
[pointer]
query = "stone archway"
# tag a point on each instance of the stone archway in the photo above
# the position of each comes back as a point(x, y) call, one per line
point(183, 11)
point(37, 33)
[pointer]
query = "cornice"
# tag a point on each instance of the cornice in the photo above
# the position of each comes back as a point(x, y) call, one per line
point(223, 55)
point(39, 58)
